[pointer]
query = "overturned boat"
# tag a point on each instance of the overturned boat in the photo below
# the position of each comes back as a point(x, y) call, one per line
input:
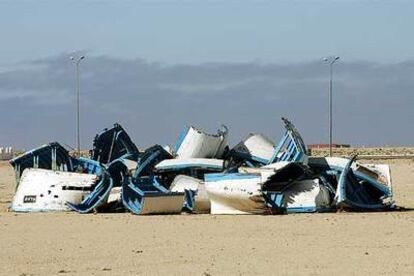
point(47, 178)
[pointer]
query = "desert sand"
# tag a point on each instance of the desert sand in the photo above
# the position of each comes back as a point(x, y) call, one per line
point(124, 244)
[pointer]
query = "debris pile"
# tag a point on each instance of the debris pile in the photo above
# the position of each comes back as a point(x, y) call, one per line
point(201, 174)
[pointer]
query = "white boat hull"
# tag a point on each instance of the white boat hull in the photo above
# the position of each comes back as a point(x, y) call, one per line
point(201, 199)
point(45, 190)
point(194, 143)
point(162, 204)
point(256, 147)
point(235, 194)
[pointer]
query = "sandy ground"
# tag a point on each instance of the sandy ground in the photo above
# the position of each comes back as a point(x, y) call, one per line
point(364, 151)
point(124, 244)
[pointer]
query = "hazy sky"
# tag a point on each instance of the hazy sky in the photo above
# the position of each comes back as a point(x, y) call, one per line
point(156, 66)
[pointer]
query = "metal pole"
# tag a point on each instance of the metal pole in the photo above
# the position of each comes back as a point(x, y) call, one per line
point(77, 63)
point(78, 105)
point(330, 108)
point(331, 61)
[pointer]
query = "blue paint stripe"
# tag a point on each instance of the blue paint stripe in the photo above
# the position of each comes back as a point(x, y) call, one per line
point(212, 177)
point(278, 148)
point(181, 138)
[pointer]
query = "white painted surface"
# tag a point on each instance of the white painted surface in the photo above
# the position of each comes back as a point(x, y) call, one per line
point(114, 195)
point(201, 200)
point(380, 172)
point(244, 195)
point(184, 182)
point(46, 190)
point(170, 164)
point(198, 144)
point(162, 204)
point(256, 145)
point(236, 196)
point(306, 194)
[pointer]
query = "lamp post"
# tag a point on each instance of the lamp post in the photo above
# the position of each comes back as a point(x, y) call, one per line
point(77, 62)
point(331, 61)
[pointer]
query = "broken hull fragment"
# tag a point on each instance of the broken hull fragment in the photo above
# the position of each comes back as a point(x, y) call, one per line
point(360, 193)
point(291, 147)
point(246, 193)
point(43, 190)
point(306, 196)
point(190, 164)
point(235, 193)
point(194, 143)
point(58, 164)
point(51, 156)
point(254, 148)
point(145, 196)
point(96, 198)
point(112, 144)
point(360, 186)
point(196, 198)
point(377, 172)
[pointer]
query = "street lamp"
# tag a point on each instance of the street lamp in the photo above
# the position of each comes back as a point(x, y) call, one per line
point(331, 61)
point(77, 62)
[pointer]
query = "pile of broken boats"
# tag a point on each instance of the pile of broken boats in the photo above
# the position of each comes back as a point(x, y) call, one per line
point(200, 174)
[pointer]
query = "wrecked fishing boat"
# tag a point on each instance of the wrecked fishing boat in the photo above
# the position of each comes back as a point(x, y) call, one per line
point(143, 193)
point(289, 189)
point(114, 149)
point(185, 175)
point(292, 182)
point(258, 191)
point(357, 186)
point(163, 184)
point(112, 144)
point(48, 177)
point(199, 175)
point(257, 150)
point(196, 154)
